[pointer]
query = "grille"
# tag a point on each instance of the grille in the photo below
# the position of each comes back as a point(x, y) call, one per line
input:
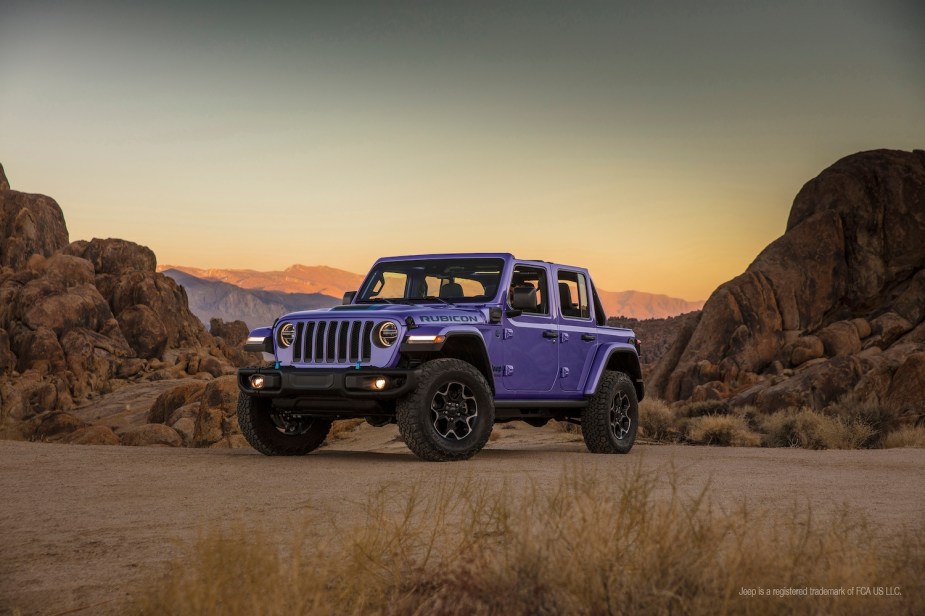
point(332, 342)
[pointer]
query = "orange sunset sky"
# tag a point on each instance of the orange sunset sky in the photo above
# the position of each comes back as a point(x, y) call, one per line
point(659, 144)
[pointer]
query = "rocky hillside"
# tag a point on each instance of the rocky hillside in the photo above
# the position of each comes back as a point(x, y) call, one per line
point(655, 335)
point(82, 319)
point(210, 299)
point(307, 279)
point(641, 305)
point(302, 286)
point(834, 306)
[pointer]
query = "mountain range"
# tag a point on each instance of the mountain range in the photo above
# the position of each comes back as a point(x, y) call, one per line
point(257, 297)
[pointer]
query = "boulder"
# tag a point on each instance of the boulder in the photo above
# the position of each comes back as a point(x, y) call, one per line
point(39, 350)
point(806, 348)
point(77, 307)
point(4, 183)
point(217, 411)
point(29, 224)
point(233, 332)
point(54, 425)
point(840, 338)
point(91, 435)
point(907, 388)
point(143, 330)
point(889, 327)
point(66, 271)
point(173, 399)
point(151, 434)
point(186, 428)
point(116, 257)
point(7, 357)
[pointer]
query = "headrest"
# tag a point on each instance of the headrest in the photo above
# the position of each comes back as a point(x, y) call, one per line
point(524, 298)
point(451, 290)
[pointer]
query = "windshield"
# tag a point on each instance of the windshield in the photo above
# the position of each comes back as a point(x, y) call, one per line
point(446, 281)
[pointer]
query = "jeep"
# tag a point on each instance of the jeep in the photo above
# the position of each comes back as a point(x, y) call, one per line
point(446, 346)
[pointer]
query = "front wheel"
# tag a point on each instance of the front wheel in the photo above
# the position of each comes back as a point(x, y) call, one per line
point(274, 434)
point(449, 415)
point(609, 422)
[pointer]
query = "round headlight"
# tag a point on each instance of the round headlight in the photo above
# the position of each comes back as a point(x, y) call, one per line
point(285, 335)
point(386, 334)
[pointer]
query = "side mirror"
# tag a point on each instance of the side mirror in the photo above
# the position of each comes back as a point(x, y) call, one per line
point(348, 297)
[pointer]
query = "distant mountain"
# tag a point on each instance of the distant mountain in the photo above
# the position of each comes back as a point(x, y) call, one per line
point(211, 298)
point(321, 279)
point(312, 279)
point(641, 305)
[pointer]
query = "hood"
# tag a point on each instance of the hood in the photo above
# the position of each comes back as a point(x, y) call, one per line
point(422, 314)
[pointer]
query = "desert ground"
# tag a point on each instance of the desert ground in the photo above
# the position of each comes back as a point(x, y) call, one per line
point(84, 528)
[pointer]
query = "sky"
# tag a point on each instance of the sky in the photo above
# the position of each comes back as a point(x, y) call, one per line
point(659, 144)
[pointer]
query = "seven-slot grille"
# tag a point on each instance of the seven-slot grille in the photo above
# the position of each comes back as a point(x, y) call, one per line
point(332, 342)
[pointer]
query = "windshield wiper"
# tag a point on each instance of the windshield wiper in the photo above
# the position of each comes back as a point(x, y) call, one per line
point(429, 298)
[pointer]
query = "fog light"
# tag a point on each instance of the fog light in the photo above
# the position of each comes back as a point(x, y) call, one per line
point(380, 383)
point(257, 381)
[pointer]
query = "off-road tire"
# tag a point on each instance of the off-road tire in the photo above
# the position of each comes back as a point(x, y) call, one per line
point(615, 398)
point(258, 427)
point(416, 420)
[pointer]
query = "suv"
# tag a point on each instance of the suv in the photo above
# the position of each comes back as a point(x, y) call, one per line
point(446, 346)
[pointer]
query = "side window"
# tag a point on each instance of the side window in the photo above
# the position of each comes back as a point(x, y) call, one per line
point(525, 279)
point(573, 295)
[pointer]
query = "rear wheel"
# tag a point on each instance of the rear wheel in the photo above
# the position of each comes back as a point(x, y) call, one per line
point(449, 415)
point(609, 422)
point(275, 434)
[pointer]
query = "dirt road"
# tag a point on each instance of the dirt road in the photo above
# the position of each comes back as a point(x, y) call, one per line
point(83, 526)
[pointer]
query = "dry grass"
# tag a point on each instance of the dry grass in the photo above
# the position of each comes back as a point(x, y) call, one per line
point(657, 421)
point(848, 424)
point(907, 436)
point(729, 430)
point(809, 429)
point(587, 545)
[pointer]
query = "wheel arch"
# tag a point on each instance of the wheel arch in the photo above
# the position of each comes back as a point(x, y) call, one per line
point(468, 347)
point(619, 358)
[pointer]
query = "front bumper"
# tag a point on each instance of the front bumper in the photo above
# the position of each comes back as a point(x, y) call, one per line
point(292, 382)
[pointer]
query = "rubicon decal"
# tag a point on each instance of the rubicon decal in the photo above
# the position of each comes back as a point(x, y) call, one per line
point(449, 318)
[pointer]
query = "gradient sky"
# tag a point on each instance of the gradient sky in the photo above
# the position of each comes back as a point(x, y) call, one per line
point(658, 143)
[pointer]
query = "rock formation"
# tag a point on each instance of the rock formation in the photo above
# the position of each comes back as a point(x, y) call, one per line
point(82, 319)
point(836, 305)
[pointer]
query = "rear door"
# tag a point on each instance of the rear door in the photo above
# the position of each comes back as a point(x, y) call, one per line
point(578, 335)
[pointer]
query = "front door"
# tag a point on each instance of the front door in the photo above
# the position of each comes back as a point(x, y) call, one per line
point(530, 340)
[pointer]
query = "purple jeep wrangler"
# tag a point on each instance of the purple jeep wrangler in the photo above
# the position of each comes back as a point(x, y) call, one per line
point(446, 346)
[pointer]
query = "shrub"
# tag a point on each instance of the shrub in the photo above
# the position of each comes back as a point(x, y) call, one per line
point(881, 419)
point(907, 436)
point(585, 545)
point(722, 430)
point(812, 430)
point(657, 420)
point(706, 407)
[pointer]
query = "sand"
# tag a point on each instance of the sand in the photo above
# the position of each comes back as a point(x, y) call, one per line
point(83, 528)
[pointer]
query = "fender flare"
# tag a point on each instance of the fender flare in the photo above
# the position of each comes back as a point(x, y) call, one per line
point(626, 354)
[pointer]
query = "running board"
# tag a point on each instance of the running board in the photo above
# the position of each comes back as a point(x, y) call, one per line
point(540, 404)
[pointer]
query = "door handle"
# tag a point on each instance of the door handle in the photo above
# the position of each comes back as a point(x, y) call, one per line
point(588, 337)
point(550, 334)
